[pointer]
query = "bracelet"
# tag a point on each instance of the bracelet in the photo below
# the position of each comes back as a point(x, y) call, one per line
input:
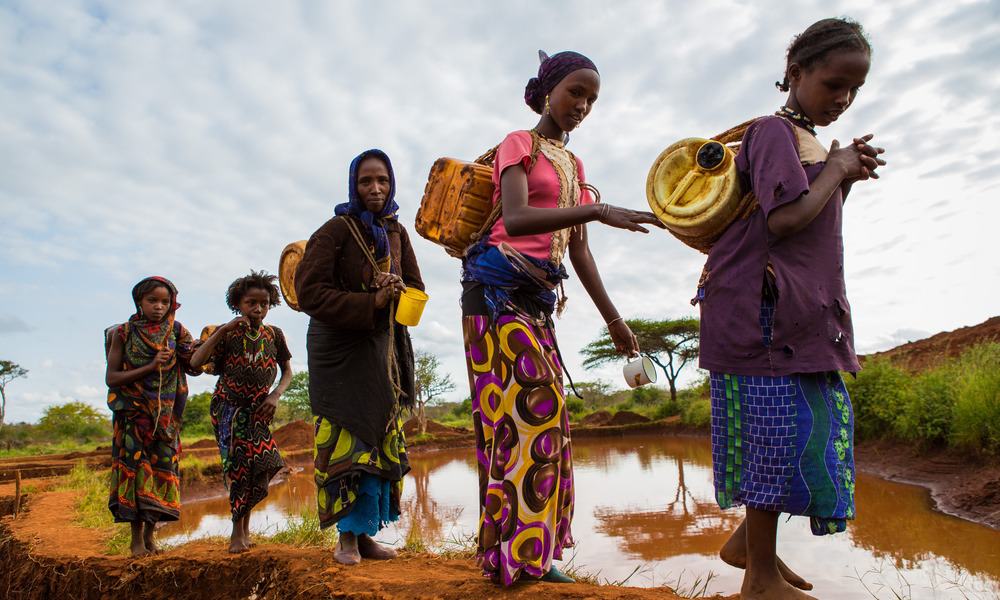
point(605, 210)
point(608, 324)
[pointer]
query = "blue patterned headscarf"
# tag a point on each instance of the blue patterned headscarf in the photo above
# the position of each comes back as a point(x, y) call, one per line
point(356, 206)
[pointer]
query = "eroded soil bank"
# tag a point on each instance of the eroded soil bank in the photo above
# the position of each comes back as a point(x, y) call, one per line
point(42, 556)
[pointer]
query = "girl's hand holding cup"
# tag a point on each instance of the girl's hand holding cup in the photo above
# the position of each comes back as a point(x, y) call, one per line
point(623, 338)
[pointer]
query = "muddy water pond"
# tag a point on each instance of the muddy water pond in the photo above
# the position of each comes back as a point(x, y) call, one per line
point(645, 512)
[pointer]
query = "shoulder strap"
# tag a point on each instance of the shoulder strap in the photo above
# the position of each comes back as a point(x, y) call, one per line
point(356, 233)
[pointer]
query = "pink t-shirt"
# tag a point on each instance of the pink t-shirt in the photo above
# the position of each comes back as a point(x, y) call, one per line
point(543, 192)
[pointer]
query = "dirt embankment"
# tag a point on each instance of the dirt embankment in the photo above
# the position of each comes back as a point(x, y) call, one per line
point(959, 486)
point(44, 556)
point(929, 352)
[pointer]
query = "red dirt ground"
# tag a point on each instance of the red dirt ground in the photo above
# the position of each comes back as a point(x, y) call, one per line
point(926, 353)
point(43, 555)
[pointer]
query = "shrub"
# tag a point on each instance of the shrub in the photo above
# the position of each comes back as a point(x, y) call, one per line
point(878, 394)
point(197, 418)
point(926, 414)
point(698, 413)
point(575, 405)
point(647, 395)
point(74, 420)
point(976, 413)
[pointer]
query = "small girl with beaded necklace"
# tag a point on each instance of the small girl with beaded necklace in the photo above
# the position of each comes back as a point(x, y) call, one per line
point(775, 321)
point(246, 355)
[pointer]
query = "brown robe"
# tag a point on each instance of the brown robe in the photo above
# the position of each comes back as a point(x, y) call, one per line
point(348, 337)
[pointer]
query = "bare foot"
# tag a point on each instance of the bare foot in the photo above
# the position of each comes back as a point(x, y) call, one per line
point(771, 589)
point(237, 543)
point(147, 538)
point(138, 546)
point(369, 548)
point(138, 549)
point(347, 552)
point(734, 554)
point(245, 524)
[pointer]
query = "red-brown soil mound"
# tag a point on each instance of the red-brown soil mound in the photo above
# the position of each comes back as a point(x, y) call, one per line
point(294, 435)
point(206, 443)
point(928, 353)
point(434, 428)
point(596, 419)
point(627, 417)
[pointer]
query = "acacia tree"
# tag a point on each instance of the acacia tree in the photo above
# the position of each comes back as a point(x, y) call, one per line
point(9, 371)
point(431, 385)
point(671, 344)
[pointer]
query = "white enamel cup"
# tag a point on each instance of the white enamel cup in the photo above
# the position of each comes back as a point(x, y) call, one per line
point(639, 371)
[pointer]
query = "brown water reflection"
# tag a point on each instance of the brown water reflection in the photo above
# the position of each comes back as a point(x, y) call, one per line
point(649, 501)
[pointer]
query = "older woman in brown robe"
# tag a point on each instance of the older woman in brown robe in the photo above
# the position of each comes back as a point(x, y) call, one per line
point(360, 359)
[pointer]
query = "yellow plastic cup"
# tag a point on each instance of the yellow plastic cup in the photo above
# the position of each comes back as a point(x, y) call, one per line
point(411, 307)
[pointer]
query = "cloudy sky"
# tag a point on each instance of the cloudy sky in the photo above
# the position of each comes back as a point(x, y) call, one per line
point(195, 140)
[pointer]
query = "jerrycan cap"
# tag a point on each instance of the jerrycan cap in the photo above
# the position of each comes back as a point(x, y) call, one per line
point(711, 155)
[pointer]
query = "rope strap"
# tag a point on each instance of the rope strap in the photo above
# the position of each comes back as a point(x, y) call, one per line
point(392, 365)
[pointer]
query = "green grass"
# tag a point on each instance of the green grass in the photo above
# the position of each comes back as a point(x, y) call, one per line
point(61, 447)
point(303, 531)
point(194, 468)
point(420, 438)
point(955, 404)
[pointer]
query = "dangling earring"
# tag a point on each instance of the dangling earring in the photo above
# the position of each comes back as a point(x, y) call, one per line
point(547, 109)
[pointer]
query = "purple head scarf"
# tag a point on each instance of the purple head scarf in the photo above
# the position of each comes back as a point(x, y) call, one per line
point(553, 70)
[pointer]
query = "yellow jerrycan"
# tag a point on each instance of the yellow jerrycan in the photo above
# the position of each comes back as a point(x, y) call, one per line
point(694, 189)
point(457, 206)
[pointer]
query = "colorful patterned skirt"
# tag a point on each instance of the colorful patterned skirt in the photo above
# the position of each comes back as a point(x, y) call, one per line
point(250, 457)
point(356, 482)
point(144, 471)
point(785, 444)
point(522, 446)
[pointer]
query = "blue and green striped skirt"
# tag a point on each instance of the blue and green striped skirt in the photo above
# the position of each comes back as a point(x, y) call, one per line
point(785, 444)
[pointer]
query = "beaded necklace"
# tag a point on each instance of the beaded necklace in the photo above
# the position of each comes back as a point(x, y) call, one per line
point(249, 353)
point(797, 117)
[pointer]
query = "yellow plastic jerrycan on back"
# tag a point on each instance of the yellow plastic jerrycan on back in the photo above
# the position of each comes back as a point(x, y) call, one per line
point(694, 189)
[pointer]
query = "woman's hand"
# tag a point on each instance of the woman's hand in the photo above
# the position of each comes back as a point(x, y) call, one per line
point(624, 218)
point(387, 285)
point(267, 408)
point(623, 338)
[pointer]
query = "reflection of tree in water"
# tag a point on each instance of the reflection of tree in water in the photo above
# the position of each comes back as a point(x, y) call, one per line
point(686, 525)
point(896, 522)
point(423, 518)
point(603, 453)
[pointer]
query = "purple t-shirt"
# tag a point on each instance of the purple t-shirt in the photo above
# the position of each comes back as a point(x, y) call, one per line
point(812, 329)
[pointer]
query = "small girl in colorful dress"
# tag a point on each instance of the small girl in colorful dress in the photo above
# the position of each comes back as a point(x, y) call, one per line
point(148, 358)
point(247, 355)
point(775, 321)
